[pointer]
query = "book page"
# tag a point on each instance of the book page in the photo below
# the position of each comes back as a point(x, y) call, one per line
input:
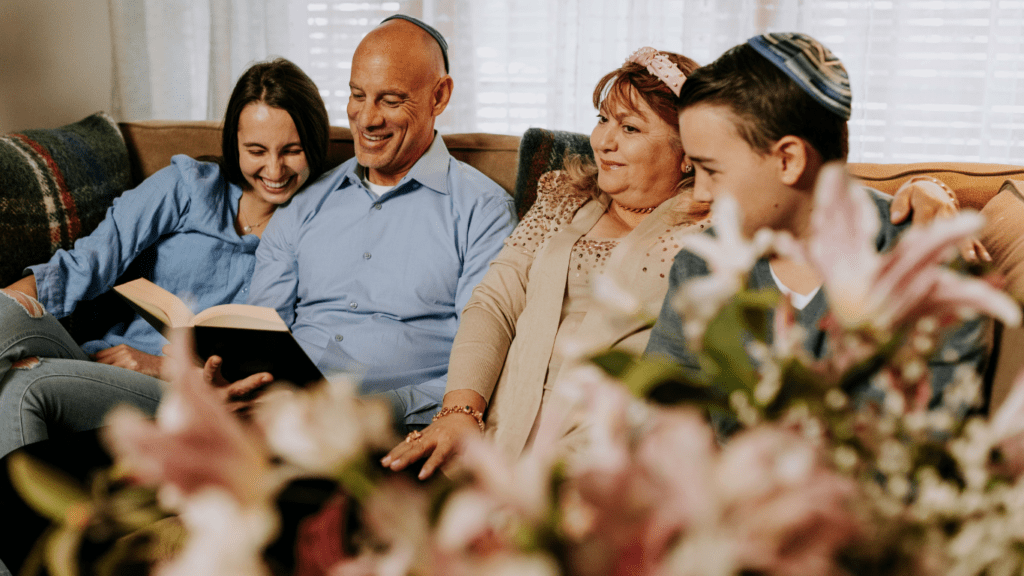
point(241, 316)
point(160, 303)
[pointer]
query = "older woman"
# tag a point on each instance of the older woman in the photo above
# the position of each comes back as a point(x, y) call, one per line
point(627, 206)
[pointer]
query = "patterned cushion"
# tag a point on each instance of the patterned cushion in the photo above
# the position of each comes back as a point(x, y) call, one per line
point(56, 187)
point(541, 151)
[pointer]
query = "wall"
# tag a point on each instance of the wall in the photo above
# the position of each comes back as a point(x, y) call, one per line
point(55, 62)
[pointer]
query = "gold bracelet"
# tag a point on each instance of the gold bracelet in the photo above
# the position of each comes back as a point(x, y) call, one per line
point(940, 183)
point(468, 410)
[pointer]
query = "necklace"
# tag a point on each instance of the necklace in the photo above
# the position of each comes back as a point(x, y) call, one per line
point(245, 221)
point(647, 210)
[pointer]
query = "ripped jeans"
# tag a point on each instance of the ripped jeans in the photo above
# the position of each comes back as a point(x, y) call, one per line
point(64, 391)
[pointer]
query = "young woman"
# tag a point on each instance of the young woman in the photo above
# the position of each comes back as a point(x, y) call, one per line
point(192, 228)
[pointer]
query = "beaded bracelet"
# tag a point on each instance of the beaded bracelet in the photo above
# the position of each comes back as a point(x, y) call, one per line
point(940, 183)
point(468, 410)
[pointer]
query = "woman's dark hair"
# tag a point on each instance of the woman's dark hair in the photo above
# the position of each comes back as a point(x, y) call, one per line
point(767, 102)
point(279, 84)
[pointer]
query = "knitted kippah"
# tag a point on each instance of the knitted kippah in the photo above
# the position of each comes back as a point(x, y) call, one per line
point(811, 65)
point(429, 30)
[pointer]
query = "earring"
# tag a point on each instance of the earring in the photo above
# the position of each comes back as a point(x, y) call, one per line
point(688, 168)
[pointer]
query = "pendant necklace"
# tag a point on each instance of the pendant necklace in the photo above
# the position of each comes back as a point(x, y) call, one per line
point(245, 221)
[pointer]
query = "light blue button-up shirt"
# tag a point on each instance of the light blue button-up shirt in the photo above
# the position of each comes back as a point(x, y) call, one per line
point(375, 286)
point(176, 229)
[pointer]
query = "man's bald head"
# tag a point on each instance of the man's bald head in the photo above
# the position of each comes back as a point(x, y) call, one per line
point(406, 44)
point(441, 42)
point(399, 86)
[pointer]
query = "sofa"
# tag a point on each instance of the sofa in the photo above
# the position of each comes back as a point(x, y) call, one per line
point(56, 185)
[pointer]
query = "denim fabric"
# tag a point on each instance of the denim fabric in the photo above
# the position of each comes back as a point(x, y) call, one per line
point(65, 391)
point(376, 286)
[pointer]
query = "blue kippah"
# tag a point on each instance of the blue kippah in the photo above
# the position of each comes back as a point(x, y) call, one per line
point(811, 65)
point(429, 30)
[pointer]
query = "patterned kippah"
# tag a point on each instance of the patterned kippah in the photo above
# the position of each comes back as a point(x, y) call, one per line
point(811, 65)
point(429, 30)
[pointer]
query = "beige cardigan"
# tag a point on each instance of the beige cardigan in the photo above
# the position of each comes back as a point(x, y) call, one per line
point(510, 322)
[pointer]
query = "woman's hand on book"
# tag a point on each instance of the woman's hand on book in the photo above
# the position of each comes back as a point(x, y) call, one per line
point(239, 396)
point(124, 356)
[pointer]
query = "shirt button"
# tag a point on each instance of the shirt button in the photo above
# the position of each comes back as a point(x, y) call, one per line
point(338, 337)
point(377, 206)
point(353, 305)
point(366, 255)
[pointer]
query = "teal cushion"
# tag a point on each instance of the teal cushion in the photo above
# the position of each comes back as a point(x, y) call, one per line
point(541, 151)
point(56, 187)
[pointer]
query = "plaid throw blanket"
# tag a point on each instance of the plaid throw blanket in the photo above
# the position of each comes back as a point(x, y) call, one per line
point(55, 186)
point(541, 151)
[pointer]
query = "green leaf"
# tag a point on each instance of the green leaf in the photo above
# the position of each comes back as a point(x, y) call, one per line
point(357, 478)
point(725, 348)
point(668, 383)
point(798, 383)
point(47, 490)
point(754, 308)
point(614, 362)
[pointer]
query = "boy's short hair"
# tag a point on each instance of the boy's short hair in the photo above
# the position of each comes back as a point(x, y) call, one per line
point(768, 102)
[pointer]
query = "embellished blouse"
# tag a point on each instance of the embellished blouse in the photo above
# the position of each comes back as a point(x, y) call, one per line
point(540, 285)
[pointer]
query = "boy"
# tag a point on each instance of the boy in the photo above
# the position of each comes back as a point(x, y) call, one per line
point(758, 124)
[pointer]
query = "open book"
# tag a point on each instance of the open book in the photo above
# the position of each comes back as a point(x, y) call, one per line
point(250, 339)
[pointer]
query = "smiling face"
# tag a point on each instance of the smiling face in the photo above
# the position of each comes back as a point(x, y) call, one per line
point(638, 155)
point(270, 153)
point(398, 87)
point(724, 163)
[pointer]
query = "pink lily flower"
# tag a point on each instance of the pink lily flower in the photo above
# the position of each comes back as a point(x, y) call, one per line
point(884, 292)
point(730, 257)
point(195, 442)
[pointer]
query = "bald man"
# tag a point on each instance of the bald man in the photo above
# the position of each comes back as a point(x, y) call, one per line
point(371, 265)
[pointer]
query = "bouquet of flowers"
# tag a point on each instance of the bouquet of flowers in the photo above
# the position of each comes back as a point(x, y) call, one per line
point(844, 464)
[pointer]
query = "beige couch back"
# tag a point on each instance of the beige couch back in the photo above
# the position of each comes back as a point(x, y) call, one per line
point(152, 143)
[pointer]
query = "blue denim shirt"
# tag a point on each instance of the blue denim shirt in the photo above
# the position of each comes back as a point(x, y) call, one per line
point(177, 229)
point(376, 287)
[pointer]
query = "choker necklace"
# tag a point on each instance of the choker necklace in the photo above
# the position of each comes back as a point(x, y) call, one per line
point(647, 210)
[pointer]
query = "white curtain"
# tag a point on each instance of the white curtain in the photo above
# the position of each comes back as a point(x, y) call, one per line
point(179, 59)
point(932, 79)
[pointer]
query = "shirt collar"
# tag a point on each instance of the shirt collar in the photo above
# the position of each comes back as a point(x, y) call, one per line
point(431, 170)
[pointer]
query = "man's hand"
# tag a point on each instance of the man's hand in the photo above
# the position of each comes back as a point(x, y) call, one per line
point(124, 356)
point(925, 201)
point(239, 396)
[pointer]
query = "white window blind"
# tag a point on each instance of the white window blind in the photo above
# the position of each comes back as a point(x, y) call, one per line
point(932, 79)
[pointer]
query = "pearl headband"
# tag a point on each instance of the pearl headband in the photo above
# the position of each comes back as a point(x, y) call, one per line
point(660, 66)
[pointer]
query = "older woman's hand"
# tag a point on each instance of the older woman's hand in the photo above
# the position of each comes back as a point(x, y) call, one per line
point(442, 440)
point(926, 200)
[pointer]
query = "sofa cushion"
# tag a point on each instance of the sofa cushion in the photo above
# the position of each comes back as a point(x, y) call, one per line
point(1003, 235)
point(56, 187)
point(540, 151)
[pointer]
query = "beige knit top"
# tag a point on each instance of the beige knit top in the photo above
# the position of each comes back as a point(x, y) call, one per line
point(494, 316)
